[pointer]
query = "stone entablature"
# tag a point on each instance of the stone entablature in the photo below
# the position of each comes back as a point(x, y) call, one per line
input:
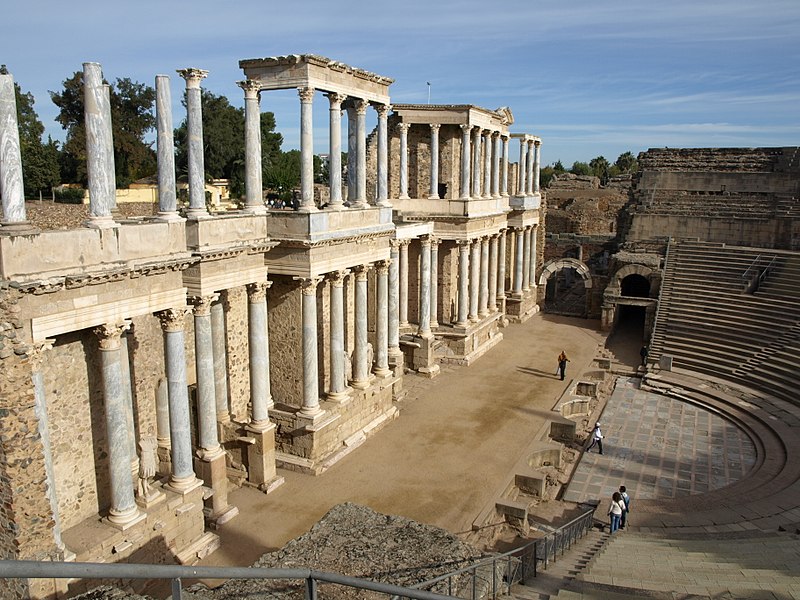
point(455, 114)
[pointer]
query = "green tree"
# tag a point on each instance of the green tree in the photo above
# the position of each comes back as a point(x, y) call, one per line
point(558, 168)
point(284, 174)
point(580, 168)
point(599, 167)
point(546, 176)
point(627, 163)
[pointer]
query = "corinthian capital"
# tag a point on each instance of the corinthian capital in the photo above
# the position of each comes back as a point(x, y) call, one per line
point(306, 94)
point(192, 76)
point(251, 88)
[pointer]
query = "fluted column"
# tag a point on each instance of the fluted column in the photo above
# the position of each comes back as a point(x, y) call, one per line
point(501, 268)
point(382, 198)
point(335, 151)
point(425, 287)
point(310, 406)
point(394, 301)
point(403, 129)
point(487, 164)
point(536, 166)
point(522, 168)
point(194, 136)
point(526, 259)
point(529, 176)
point(483, 293)
point(220, 361)
point(306, 149)
point(361, 153)
point(338, 383)
point(165, 144)
point(434, 283)
point(258, 343)
point(465, 160)
point(476, 164)
point(474, 278)
point(403, 307)
point(182, 479)
point(496, 164)
point(123, 509)
point(11, 181)
point(361, 367)
point(254, 199)
point(518, 250)
point(463, 283)
point(434, 193)
point(504, 162)
point(493, 273)
point(207, 438)
point(99, 149)
point(381, 368)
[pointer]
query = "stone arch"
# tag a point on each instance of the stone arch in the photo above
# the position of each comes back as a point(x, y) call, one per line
point(556, 265)
point(615, 285)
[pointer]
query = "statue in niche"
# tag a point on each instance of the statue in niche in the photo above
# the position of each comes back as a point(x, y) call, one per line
point(348, 367)
point(369, 357)
point(148, 465)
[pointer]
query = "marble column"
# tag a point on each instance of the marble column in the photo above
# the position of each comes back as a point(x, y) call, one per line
point(493, 273)
point(496, 164)
point(476, 164)
point(306, 149)
point(125, 368)
point(381, 368)
point(403, 129)
point(361, 366)
point(526, 258)
point(501, 268)
point(335, 151)
point(123, 511)
point(207, 438)
point(518, 249)
point(310, 408)
point(463, 283)
point(536, 166)
point(532, 277)
point(220, 361)
point(182, 478)
point(465, 160)
point(529, 176)
point(167, 195)
point(351, 152)
point(425, 287)
point(361, 153)
point(11, 182)
point(483, 293)
point(194, 135)
point(258, 347)
point(99, 149)
point(382, 198)
point(474, 278)
point(504, 162)
point(522, 169)
point(434, 193)
point(338, 390)
point(434, 283)
point(487, 164)
point(162, 415)
point(403, 308)
point(394, 302)
point(254, 203)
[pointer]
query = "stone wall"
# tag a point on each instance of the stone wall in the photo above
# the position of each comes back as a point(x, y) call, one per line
point(284, 300)
point(237, 348)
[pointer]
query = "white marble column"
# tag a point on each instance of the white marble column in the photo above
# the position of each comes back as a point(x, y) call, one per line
point(220, 361)
point(382, 198)
point(487, 164)
point(522, 168)
point(11, 182)
point(352, 150)
point(99, 148)
point(254, 203)
point(493, 273)
point(526, 259)
point(518, 249)
point(381, 368)
point(335, 151)
point(536, 166)
point(207, 438)
point(504, 162)
point(194, 137)
point(463, 283)
point(465, 160)
point(434, 192)
point(403, 308)
point(310, 408)
point(165, 144)
point(496, 164)
point(258, 345)
point(501, 268)
point(338, 390)
point(529, 176)
point(532, 277)
point(182, 478)
point(403, 129)
point(394, 301)
point(425, 287)
point(483, 293)
point(474, 278)
point(306, 149)
point(476, 164)
point(123, 510)
point(361, 368)
point(361, 153)
point(434, 283)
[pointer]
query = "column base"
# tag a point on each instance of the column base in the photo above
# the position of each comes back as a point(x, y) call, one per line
point(304, 419)
point(106, 222)
point(335, 206)
point(361, 384)
point(183, 485)
point(170, 216)
point(17, 228)
point(256, 209)
point(382, 372)
point(307, 208)
point(196, 214)
point(383, 204)
point(434, 197)
point(125, 519)
point(338, 397)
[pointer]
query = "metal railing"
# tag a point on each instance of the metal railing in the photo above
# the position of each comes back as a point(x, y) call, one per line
point(755, 275)
point(495, 575)
point(28, 569)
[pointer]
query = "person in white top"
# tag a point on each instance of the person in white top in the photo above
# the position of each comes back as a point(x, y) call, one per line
point(597, 438)
point(615, 510)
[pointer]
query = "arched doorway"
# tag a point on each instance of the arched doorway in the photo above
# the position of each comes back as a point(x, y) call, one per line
point(566, 282)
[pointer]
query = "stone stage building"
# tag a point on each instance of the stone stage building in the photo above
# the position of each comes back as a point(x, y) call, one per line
point(149, 364)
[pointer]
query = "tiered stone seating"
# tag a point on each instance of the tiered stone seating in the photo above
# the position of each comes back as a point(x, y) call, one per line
point(709, 204)
point(712, 159)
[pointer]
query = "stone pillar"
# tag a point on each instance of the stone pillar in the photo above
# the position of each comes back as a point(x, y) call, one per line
point(522, 169)
point(526, 259)
point(434, 195)
point(167, 198)
point(493, 273)
point(194, 136)
point(11, 182)
point(496, 164)
point(434, 282)
point(463, 281)
point(125, 371)
point(532, 277)
point(504, 162)
point(207, 438)
point(476, 164)
point(310, 408)
point(487, 164)
point(258, 346)
point(162, 421)
point(474, 278)
point(536, 166)
point(306, 150)
point(361, 367)
point(381, 368)
point(254, 203)
point(351, 153)
point(182, 478)
point(123, 512)
point(425, 287)
point(382, 198)
point(465, 160)
point(338, 390)
point(335, 151)
point(220, 362)
point(518, 257)
point(529, 176)
point(99, 149)
point(361, 154)
point(403, 129)
point(403, 300)
point(395, 354)
point(501, 268)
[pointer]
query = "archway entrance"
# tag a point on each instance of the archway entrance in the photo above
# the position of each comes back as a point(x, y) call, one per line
point(566, 282)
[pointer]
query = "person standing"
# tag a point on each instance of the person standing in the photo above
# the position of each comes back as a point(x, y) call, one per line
point(643, 353)
point(562, 364)
point(626, 501)
point(597, 438)
point(615, 511)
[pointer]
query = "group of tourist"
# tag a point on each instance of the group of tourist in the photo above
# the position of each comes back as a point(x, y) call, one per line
point(619, 508)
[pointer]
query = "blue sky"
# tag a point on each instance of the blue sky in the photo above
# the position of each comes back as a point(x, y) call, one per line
point(590, 78)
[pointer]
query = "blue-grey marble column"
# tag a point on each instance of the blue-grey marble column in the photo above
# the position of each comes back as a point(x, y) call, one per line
point(125, 370)
point(194, 135)
point(522, 168)
point(306, 149)
point(493, 242)
point(182, 478)
point(11, 182)
point(260, 394)
point(351, 152)
point(381, 368)
point(207, 438)
point(310, 408)
point(504, 161)
point(483, 292)
point(434, 282)
point(123, 510)
point(403, 129)
point(254, 196)
point(403, 300)
point(487, 164)
point(476, 164)
point(529, 176)
point(495, 164)
point(167, 198)
point(501, 268)
point(532, 278)
point(361, 367)
point(463, 283)
point(526, 259)
point(465, 160)
point(361, 153)
point(425, 287)
point(518, 257)
point(382, 198)
point(335, 151)
point(220, 361)
point(338, 384)
point(536, 166)
point(394, 301)
point(99, 148)
point(474, 278)
point(434, 192)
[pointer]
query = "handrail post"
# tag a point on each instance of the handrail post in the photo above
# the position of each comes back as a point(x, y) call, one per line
point(475, 583)
point(176, 589)
point(311, 588)
point(494, 578)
